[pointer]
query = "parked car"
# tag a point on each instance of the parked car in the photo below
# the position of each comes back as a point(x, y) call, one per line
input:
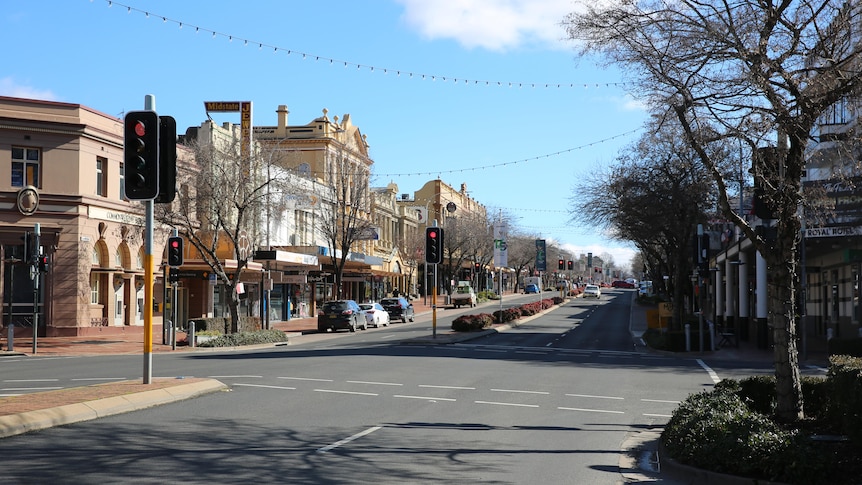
point(398, 308)
point(463, 295)
point(338, 314)
point(622, 284)
point(531, 289)
point(375, 314)
point(592, 291)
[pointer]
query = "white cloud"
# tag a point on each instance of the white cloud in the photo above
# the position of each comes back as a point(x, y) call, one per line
point(495, 25)
point(10, 87)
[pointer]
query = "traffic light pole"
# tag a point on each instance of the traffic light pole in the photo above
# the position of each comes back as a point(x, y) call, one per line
point(35, 274)
point(149, 104)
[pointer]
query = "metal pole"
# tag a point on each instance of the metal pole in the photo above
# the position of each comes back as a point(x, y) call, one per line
point(34, 273)
point(149, 104)
point(434, 304)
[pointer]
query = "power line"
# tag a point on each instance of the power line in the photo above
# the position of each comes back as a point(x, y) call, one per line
point(349, 64)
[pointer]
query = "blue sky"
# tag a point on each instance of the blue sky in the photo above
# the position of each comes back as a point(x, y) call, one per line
point(517, 140)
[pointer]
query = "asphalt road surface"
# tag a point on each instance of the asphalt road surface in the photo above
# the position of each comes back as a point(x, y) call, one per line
point(550, 402)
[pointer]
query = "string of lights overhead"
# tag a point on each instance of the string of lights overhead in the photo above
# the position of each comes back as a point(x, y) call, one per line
point(349, 64)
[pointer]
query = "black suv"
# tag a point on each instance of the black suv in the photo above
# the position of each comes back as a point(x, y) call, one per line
point(397, 308)
point(337, 314)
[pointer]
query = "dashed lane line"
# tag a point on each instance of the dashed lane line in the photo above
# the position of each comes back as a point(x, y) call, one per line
point(495, 403)
point(335, 391)
point(426, 398)
point(266, 386)
point(592, 396)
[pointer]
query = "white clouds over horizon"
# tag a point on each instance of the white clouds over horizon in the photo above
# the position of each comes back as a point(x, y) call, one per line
point(496, 25)
point(10, 87)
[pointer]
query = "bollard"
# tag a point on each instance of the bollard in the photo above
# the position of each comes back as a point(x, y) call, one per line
point(711, 335)
point(10, 337)
point(688, 337)
point(190, 336)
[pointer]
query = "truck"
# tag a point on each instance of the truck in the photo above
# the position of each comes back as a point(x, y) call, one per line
point(463, 295)
point(533, 280)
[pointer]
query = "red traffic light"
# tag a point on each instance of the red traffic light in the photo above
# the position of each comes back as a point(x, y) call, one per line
point(432, 234)
point(140, 128)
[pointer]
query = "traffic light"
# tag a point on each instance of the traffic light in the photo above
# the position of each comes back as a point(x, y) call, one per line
point(561, 264)
point(571, 265)
point(141, 154)
point(175, 251)
point(167, 159)
point(434, 245)
point(477, 266)
point(42, 262)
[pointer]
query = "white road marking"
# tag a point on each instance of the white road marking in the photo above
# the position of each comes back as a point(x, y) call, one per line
point(266, 386)
point(425, 397)
point(30, 388)
point(522, 392)
point(591, 410)
point(306, 379)
point(376, 383)
point(347, 392)
point(660, 400)
point(101, 379)
point(507, 404)
point(658, 415)
point(708, 369)
point(236, 377)
point(348, 439)
point(595, 397)
point(31, 380)
point(448, 387)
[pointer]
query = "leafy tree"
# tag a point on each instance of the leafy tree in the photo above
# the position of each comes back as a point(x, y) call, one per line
point(757, 73)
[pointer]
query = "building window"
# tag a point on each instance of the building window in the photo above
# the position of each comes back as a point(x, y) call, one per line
point(95, 288)
point(101, 185)
point(25, 166)
point(122, 181)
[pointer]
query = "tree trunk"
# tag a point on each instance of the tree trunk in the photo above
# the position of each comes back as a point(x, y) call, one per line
point(233, 305)
point(782, 288)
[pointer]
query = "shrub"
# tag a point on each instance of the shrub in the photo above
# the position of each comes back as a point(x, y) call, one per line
point(717, 431)
point(487, 295)
point(508, 315)
point(246, 338)
point(472, 323)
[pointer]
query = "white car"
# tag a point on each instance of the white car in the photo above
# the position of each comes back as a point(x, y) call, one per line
point(375, 314)
point(592, 291)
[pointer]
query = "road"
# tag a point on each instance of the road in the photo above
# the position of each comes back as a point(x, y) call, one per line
point(551, 402)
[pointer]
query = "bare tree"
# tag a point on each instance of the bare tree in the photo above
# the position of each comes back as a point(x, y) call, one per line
point(655, 195)
point(345, 220)
point(219, 205)
point(759, 73)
